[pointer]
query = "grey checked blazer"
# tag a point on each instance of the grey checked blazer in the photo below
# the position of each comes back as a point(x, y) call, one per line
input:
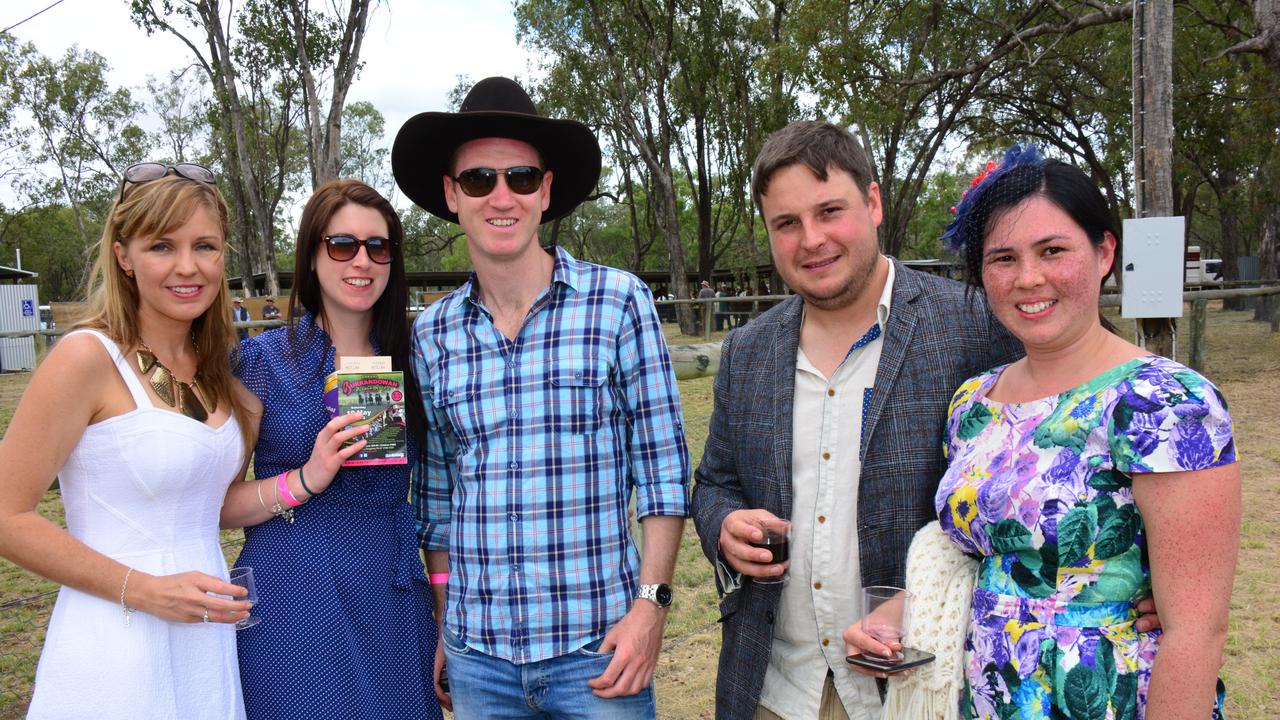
point(936, 338)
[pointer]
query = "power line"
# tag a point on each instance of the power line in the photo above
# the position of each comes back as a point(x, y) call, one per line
point(50, 7)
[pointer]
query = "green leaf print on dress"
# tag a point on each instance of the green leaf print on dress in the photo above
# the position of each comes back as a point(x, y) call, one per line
point(1041, 490)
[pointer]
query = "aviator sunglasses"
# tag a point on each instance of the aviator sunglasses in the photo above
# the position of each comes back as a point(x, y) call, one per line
point(478, 182)
point(345, 247)
point(143, 172)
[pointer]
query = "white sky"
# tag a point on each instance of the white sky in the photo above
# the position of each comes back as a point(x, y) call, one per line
point(413, 50)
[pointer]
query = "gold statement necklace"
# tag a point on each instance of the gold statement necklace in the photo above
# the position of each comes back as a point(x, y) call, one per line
point(187, 398)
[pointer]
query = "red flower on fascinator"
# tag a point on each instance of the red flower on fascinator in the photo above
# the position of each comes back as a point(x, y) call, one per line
point(977, 180)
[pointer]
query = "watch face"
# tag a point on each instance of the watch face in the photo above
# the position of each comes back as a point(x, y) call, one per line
point(664, 595)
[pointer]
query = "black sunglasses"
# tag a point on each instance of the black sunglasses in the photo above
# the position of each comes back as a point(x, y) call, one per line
point(345, 247)
point(142, 172)
point(478, 182)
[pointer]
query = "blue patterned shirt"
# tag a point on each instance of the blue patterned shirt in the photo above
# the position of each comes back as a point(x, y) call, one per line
point(534, 448)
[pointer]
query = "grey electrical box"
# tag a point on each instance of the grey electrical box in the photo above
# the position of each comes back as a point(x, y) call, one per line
point(1152, 267)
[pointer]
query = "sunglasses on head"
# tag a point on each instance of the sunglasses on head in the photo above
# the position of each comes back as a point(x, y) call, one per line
point(143, 172)
point(345, 247)
point(478, 182)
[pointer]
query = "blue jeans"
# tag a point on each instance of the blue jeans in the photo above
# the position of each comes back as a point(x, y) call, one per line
point(483, 686)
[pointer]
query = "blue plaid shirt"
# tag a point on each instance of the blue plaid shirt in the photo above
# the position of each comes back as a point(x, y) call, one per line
point(533, 449)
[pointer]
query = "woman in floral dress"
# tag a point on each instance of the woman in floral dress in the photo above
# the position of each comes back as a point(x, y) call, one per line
point(1086, 476)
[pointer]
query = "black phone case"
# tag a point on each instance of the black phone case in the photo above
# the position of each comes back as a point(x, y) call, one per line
point(913, 658)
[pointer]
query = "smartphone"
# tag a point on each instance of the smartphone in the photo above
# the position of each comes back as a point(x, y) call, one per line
point(910, 658)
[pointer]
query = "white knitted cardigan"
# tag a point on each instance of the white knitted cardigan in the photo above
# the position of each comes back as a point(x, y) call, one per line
point(941, 578)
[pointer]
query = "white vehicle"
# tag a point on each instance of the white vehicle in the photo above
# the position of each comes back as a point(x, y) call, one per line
point(1199, 270)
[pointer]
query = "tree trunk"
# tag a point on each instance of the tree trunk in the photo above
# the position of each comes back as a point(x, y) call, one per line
point(324, 140)
point(669, 222)
point(1269, 264)
point(1229, 228)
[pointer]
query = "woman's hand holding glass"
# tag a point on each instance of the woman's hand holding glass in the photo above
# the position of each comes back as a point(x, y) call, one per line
point(186, 597)
point(882, 628)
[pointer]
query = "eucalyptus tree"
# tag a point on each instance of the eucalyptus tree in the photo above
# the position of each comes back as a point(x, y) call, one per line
point(82, 132)
point(673, 86)
point(266, 63)
point(363, 155)
point(1260, 35)
point(320, 49)
point(907, 75)
point(181, 105)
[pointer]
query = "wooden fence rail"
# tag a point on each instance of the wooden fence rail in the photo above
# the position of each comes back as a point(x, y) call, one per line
point(702, 360)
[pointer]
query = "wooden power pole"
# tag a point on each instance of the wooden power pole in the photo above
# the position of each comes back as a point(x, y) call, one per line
point(1153, 135)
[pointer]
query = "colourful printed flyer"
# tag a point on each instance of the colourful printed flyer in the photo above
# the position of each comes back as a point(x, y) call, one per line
point(369, 386)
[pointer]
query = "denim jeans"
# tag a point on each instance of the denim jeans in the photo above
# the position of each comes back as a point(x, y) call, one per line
point(483, 687)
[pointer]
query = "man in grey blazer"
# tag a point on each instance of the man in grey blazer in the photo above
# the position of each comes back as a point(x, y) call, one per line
point(829, 411)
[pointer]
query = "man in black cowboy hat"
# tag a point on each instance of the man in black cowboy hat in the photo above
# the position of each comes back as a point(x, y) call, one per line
point(551, 401)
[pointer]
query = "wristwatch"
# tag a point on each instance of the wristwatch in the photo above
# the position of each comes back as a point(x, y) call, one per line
point(658, 594)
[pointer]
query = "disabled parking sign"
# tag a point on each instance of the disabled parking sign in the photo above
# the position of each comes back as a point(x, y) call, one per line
point(28, 308)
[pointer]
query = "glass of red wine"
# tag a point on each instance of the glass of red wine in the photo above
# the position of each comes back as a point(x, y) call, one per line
point(777, 540)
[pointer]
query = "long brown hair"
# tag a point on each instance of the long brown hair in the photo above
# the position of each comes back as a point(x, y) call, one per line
point(390, 312)
point(111, 306)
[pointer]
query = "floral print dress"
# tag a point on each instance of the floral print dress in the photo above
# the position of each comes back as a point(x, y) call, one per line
point(1041, 491)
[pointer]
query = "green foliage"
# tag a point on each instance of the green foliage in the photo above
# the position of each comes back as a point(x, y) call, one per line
point(363, 155)
point(50, 246)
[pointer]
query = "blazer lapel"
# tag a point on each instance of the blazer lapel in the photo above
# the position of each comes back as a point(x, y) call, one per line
point(897, 340)
point(785, 344)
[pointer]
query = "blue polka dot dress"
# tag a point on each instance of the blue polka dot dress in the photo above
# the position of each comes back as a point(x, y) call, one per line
point(347, 628)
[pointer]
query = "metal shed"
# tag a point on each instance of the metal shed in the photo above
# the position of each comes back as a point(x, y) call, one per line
point(19, 312)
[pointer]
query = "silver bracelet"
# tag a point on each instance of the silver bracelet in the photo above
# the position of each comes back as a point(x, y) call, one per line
point(258, 487)
point(128, 611)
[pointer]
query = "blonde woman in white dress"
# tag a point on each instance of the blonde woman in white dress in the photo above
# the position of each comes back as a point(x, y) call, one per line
point(138, 415)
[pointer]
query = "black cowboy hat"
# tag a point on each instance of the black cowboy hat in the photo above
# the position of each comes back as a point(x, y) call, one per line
point(495, 107)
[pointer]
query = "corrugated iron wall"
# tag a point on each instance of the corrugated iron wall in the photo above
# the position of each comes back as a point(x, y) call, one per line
point(19, 311)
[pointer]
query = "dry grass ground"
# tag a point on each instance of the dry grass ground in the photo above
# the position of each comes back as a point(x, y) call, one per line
point(1243, 358)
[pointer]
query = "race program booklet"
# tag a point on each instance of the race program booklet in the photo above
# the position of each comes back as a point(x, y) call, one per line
point(369, 386)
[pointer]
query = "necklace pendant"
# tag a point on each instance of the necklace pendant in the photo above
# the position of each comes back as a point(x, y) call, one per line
point(146, 359)
point(189, 404)
point(162, 383)
point(186, 398)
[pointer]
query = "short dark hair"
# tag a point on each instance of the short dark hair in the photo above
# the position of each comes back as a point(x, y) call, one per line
point(818, 146)
point(1064, 185)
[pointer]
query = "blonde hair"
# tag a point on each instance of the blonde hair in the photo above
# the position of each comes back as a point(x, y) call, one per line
point(111, 305)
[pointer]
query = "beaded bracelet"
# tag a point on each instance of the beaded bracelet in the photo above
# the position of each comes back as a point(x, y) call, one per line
point(128, 611)
point(282, 487)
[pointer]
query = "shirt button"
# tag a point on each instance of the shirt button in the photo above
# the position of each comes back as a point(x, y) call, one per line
point(515, 567)
point(822, 518)
point(515, 517)
point(578, 374)
point(514, 465)
point(817, 585)
point(825, 642)
point(830, 393)
point(826, 456)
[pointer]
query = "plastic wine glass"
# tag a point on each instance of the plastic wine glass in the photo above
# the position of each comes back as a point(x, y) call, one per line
point(884, 615)
point(243, 576)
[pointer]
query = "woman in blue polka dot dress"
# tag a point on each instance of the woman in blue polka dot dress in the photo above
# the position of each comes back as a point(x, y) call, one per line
point(346, 625)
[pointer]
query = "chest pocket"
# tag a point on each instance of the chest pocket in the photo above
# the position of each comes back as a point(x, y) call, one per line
point(577, 396)
point(457, 400)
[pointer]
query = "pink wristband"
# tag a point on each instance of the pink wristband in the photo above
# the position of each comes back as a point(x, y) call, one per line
point(282, 488)
point(439, 578)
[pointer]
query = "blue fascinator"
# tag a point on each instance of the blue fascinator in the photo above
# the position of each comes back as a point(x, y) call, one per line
point(960, 231)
